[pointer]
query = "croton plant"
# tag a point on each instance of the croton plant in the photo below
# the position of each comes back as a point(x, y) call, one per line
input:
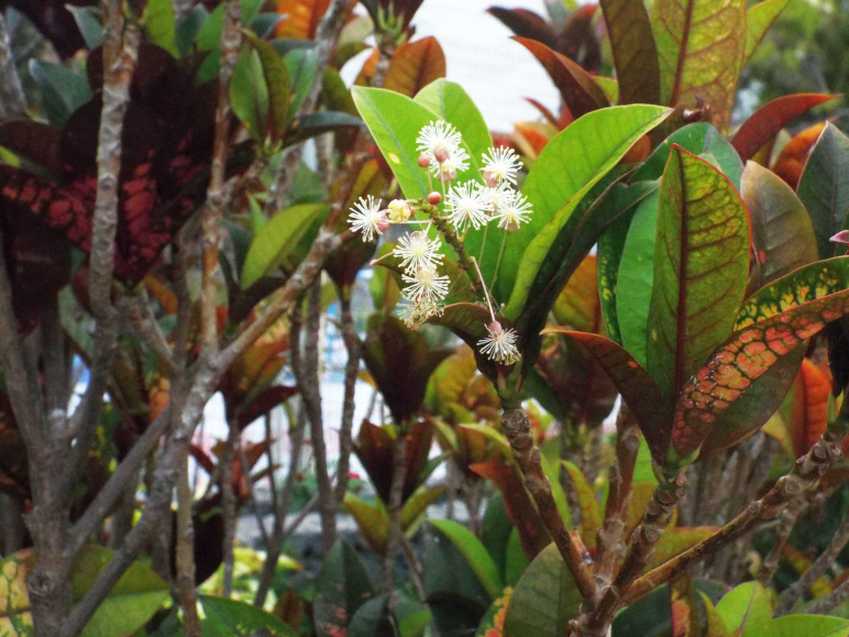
point(293, 343)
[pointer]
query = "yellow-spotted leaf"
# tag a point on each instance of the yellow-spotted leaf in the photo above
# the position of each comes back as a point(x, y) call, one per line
point(700, 268)
point(700, 47)
point(759, 18)
point(745, 357)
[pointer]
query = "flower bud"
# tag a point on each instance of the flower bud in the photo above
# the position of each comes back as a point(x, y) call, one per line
point(399, 211)
point(424, 160)
point(434, 198)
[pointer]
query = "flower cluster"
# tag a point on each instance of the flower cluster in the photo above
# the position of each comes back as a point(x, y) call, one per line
point(453, 208)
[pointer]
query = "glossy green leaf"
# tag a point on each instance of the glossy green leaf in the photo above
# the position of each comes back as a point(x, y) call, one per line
point(746, 356)
point(759, 18)
point(231, 618)
point(590, 512)
point(545, 599)
point(372, 521)
point(701, 263)
point(635, 277)
point(88, 22)
point(634, 51)
point(280, 235)
point(824, 187)
point(302, 68)
point(475, 553)
point(343, 585)
point(746, 610)
point(62, 90)
point(249, 93)
point(394, 121)
point(782, 233)
point(314, 124)
point(276, 75)
point(814, 625)
point(609, 253)
point(566, 170)
point(700, 46)
point(160, 25)
point(701, 139)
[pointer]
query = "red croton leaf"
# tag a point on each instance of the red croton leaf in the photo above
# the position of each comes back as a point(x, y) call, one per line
point(166, 148)
point(808, 414)
point(768, 120)
point(634, 51)
point(415, 65)
point(746, 356)
point(525, 24)
point(577, 87)
point(795, 153)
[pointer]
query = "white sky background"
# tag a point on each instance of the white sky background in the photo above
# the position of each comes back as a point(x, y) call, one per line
point(497, 72)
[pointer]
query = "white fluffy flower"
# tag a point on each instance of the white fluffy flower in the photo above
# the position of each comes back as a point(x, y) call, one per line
point(467, 206)
point(497, 197)
point(418, 251)
point(426, 286)
point(515, 211)
point(368, 217)
point(415, 315)
point(442, 145)
point(500, 345)
point(500, 164)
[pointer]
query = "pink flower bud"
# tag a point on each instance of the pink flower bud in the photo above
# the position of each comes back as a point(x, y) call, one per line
point(424, 160)
point(441, 155)
point(434, 198)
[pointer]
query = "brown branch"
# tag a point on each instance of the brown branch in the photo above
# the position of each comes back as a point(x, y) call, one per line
point(517, 428)
point(147, 329)
point(185, 580)
point(786, 521)
point(455, 242)
point(352, 366)
point(802, 479)
point(826, 560)
point(216, 200)
point(228, 501)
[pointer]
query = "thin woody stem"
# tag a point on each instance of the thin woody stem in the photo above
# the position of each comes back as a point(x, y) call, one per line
point(517, 428)
point(485, 291)
point(453, 240)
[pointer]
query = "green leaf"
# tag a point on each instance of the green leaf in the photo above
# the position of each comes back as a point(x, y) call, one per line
point(372, 521)
point(635, 277)
point(701, 139)
point(700, 47)
point(590, 512)
point(231, 618)
point(634, 51)
point(249, 93)
point(545, 599)
point(759, 18)
point(88, 22)
point(276, 76)
point(515, 560)
point(131, 602)
point(566, 170)
point(302, 67)
point(343, 585)
point(701, 263)
point(744, 358)
point(372, 618)
point(394, 121)
point(271, 248)
point(746, 610)
point(475, 553)
point(814, 625)
point(824, 187)
point(188, 28)
point(209, 35)
point(160, 25)
point(611, 246)
point(782, 233)
point(62, 90)
point(313, 124)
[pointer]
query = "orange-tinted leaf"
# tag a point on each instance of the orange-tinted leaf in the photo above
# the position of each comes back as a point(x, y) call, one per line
point(700, 46)
point(768, 120)
point(578, 305)
point(792, 159)
point(577, 87)
point(638, 390)
point(808, 413)
point(301, 18)
point(531, 137)
point(701, 263)
point(742, 359)
point(634, 51)
point(415, 65)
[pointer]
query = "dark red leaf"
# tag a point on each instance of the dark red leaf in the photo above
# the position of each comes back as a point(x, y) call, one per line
point(578, 41)
point(768, 120)
point(265, 401)
point(525, 24)
point(577, 87)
